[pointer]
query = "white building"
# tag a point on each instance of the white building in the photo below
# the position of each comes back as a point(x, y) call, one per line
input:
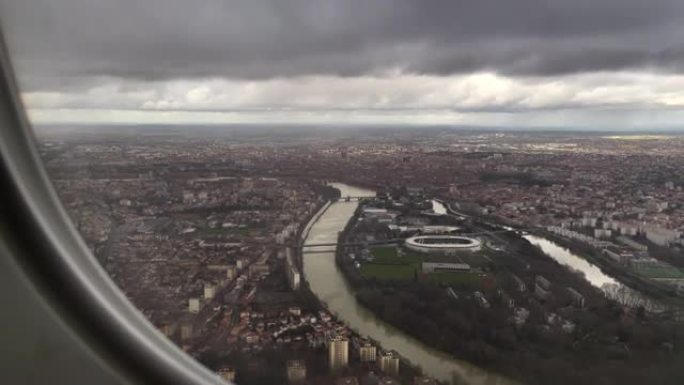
point(661, 236)
point(194, 305)
point(231, 272)
point(443, 244)
point(209, 291)
point(436, 267)
point(602, 233)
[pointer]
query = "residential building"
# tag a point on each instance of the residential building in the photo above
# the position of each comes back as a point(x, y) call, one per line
point(338, 352)
point(209, 291)
point(194, 305)
point(367, 352)
point(389, 362)
point(227, 374)
point(296, 371)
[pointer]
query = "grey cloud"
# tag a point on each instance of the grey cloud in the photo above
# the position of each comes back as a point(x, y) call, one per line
point(59, 44)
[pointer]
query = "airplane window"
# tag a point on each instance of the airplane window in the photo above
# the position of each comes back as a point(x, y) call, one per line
point(386, 192)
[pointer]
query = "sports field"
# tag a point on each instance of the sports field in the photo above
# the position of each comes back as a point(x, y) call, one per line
point(464, 279)
point(661, 272)
point(389, 264)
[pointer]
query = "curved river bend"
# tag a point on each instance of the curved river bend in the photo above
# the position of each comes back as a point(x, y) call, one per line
point(592, 273)
point(327, 282)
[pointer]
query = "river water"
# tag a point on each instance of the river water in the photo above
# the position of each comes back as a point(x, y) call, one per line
point(565, 257)
point(328, 283)
point(592, 273)
point(439, 208)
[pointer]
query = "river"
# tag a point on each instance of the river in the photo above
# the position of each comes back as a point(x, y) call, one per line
point(592, 273)
point(328, 283)
point(562, 255)
point(438, 208)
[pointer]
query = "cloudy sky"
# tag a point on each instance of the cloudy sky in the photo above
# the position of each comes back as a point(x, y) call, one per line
point(513, 63)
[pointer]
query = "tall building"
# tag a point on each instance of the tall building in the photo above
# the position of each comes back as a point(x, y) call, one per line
point(209, 291)
point(186, 331)
point(241, 263)
point(231, 272)
point(167, 329)
point(338, 352)
point(227, 374)
point(389, 363)
point(194, 305)
point(293, 275)
point(367, 352)
point(294, 278)
point(296, 371)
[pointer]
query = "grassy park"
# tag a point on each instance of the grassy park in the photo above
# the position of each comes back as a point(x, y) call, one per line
point(388, 263)
point(661, 272)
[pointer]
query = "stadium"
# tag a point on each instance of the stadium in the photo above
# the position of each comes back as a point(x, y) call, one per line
point(443, 244)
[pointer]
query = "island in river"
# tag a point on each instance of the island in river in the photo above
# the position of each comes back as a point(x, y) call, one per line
point(327, 282)
point(514, 311)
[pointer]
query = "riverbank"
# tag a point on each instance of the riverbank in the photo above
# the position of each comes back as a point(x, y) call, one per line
point(426, 326)
point(653, 296)
point(584, 340)
point(313, 218)
point(331, 287)
point(653, 290)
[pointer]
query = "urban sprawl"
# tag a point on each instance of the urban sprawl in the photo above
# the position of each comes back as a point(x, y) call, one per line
point(204, 234)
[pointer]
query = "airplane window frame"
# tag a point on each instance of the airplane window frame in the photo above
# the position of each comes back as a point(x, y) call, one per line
point(52, 256)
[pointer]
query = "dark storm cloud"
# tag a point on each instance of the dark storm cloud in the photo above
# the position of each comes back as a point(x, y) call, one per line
point(58, 43)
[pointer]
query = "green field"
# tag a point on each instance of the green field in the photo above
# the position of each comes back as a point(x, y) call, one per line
point(384, 252)
point(661, 272)
point(387, 264)
point(390, 255)
point(465, 279)
point(388, 272)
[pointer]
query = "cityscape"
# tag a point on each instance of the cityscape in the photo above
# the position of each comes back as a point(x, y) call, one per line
point(325, 192)
point(386, 255)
